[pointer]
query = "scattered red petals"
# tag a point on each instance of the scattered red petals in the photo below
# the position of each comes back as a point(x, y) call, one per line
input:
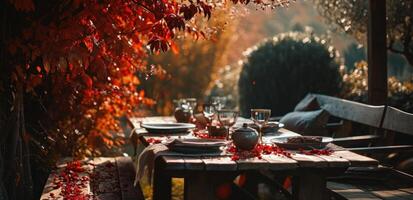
point(71, 182)
point(153, 141)
point(325, 152)
point(257, 152)
point(206, 135)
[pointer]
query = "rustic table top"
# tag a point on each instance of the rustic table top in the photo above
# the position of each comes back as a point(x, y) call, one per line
point(107, 178)
point(338, 159)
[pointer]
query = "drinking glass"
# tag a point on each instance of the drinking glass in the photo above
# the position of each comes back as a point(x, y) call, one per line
point(209, 112)
point(179, 103)
point(227, 118)
point(219, 102)
point(191, 102)
point(260, 118)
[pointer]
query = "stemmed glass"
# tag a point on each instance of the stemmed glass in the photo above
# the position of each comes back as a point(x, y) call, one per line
point(209, 112)
point(191, 102)
point(227, 118)
point(260, 118)
point(219, 102)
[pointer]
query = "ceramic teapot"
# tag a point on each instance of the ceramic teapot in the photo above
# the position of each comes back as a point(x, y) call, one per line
point(245, 138)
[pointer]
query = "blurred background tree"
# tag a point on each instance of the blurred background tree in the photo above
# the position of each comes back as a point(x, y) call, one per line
point(400, 93)
point(351, 16)
point(189, 72)
point(279, 72)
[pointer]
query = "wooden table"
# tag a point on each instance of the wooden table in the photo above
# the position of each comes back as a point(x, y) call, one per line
point(203, 175)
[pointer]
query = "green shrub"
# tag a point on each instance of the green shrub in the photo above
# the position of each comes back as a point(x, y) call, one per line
point(279, 72)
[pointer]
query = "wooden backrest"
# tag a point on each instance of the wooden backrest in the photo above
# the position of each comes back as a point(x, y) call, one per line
point(398, 121)
point(352, 111)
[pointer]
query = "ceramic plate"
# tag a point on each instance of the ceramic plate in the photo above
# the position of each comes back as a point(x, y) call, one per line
point(282, 142)
point(165, 128)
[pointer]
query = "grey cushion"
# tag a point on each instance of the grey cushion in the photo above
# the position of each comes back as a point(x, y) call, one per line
point(306, 122)
point(309, 103)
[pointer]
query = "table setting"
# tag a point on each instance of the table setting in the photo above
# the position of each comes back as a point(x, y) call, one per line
point(217, 131)
point(211, 144)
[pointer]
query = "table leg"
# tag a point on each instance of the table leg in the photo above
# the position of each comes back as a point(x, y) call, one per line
point(251, 182)
point(208, 185)
point(309, 186)
point(162, 185)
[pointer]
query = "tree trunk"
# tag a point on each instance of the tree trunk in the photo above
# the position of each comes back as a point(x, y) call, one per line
point(17, 173)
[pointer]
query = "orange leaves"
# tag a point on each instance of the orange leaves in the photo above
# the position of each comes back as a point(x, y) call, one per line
point(174, 48)
point(83, 59)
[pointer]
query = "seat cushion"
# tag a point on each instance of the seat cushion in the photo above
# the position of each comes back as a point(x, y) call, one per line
point(306, 122)
point(309, 103)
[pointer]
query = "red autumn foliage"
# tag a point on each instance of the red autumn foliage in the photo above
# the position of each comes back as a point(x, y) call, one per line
point(78, 61)
point(70, 71)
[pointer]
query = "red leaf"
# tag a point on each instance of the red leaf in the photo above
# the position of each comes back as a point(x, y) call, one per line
point(88, 42)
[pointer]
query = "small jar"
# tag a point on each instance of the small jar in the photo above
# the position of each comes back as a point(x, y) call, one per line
point(181, 115)
point(245, 138)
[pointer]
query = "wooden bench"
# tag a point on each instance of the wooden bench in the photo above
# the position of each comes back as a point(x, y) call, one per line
point(385, 123)
point(104, 178)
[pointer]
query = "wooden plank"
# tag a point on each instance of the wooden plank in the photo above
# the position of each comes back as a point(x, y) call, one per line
point(193, 163)
point(391, 194)
point(126, 173)
point(398, 121)
point(355, 139)
point(134, 122)
point(219, 164)
point(407, 189)
point(350, 192)
point(173, 162)
point(309, 161)
point(106, 179)
point(276, 162)
point(335, 162)
point(356, 160)
point(252, 164)
point(383, 149)
point(351, 110)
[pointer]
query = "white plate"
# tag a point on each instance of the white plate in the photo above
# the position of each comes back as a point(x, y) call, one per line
point(198, 142)
point(167, 127)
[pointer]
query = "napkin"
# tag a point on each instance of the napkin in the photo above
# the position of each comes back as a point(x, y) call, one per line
point(146, 159)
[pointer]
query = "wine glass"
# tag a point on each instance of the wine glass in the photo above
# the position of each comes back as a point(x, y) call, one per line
point(227, 118)
point(219, 102)
point(209, 112)
point(260, 118)
point(191, 102)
